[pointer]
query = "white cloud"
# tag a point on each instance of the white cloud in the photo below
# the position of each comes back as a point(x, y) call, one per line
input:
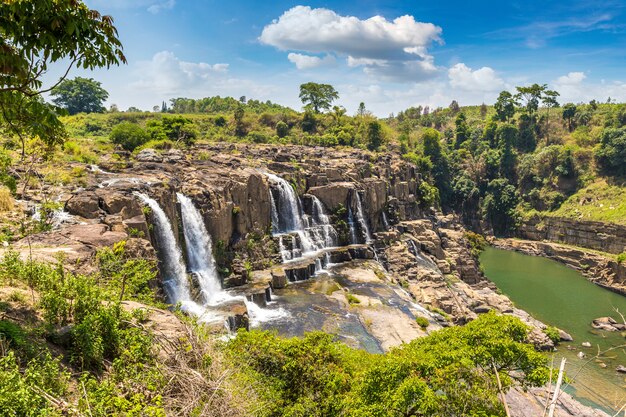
point(381, 46)
point(167, 74)
point(484, 79)
point(304, 62)
point(164, 5)
point(572, 78)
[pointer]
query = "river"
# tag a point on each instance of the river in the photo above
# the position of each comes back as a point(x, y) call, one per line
point(562, 297)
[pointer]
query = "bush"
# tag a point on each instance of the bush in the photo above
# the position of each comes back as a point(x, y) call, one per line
point(282, 129)
point(6, 199)
point(352, 299)
point(129, 135)
point(422, 322)
point(553, 333)
point(439, 375)
point(611, 153)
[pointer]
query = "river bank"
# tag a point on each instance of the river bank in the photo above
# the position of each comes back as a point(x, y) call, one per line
point(562, 297)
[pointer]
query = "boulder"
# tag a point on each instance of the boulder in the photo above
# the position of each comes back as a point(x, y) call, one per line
point(332, 195)
point(149, 155)
point(621, 369)
point(564, 336)
point(85, 204)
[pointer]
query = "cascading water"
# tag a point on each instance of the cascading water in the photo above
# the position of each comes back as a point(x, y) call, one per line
point(314, 232)
point(172, 265)
point(201, 262)
point(321, 232)
point(385, 221)
point(199, 251)
point(420, 258)
point(361, 219)
point(286, 212)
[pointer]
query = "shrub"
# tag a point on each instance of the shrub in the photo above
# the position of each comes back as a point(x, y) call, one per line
point(553, 334)
point(621, 257)
point(422, 322)
point(316, 376)
point(6, 199)
point(611, 153)
point(129, 135)
point(352, 299)
point(282, 129)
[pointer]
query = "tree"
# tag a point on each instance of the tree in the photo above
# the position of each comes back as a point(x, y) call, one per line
point(309, 122)
point(454, 107)
point(611, 154)
point(129, 135)
point(483, 110)
point(499, 205)
point(505, 106)
point(462, 131)
point(80, 95)
point(527, 139)
point(318, 96)
point(549, 100)
point(569, 112)
point(35, 34)
point(174, 128)
point(282, 129)
point(361, 112)
point(240, 127)
point(374, 135)
point(531, 95)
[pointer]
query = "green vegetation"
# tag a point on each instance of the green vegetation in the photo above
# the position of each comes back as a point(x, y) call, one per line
point(32, 39)
point(352, 299)
point(80, 95)
point(599, 201)
point(422, 322)
point(553, 333)
point(450, 372)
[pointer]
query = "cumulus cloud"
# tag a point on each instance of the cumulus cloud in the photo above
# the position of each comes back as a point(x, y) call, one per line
point(484, 79)
point(304, 62)
point(167, 74)
point(574, 87)
point(379, 45)
point(572, 78)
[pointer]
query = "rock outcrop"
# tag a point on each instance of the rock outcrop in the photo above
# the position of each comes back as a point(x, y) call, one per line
point(605, 237)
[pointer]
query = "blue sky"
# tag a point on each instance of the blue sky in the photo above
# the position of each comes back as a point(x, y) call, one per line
point(390, 55)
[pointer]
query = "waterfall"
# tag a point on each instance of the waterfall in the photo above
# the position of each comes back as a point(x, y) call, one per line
point(286, 212)
point(352, 226)
point(172, 265)
point(321, 232)
point(385, 221)
point(420, 258)
point(199, 250)
point(314, 232)
point(361, 219)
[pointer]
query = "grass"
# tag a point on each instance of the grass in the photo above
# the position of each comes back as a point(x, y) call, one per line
point(422, 322)
point(598, 201)
point(6, 200)
point(352, 299)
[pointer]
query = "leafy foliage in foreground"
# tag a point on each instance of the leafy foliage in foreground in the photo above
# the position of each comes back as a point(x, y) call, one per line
point(449, 373)
point(111, 354)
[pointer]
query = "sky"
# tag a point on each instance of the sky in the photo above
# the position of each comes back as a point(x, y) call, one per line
point(388, 54)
